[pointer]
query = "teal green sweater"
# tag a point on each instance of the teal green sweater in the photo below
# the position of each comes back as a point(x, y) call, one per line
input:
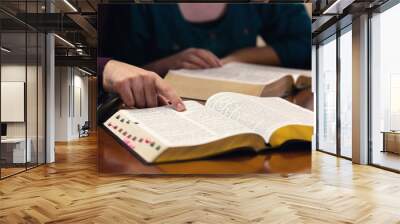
point(159, 30)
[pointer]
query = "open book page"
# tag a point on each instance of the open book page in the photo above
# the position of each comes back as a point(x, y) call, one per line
point(243, 73)
point(197, 125)
point(261, 114)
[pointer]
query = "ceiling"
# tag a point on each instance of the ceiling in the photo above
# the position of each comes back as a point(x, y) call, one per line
point(75, 21)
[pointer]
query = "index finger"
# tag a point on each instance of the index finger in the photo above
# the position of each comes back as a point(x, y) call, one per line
point(166, 91)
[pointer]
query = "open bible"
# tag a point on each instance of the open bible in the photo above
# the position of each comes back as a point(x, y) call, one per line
point(251, 79)
point(227, 122)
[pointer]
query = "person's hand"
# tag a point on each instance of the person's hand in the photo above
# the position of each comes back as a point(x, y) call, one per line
point(193, 58)
point(138, 87)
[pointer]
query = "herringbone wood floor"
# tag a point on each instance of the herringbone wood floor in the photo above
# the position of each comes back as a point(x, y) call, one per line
point(70, 191)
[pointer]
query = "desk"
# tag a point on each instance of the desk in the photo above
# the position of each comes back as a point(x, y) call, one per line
point(13, 150)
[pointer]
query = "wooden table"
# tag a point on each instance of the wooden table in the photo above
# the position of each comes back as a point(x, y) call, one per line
point(113, 158)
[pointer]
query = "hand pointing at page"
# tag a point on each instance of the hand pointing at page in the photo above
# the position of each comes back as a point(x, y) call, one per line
point(138, 87)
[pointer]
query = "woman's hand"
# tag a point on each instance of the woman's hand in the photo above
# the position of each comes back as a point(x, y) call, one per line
point(194, 58)
point(138, 87)
point(191, 58)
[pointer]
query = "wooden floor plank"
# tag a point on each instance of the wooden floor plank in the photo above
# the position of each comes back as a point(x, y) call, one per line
point(71, 191)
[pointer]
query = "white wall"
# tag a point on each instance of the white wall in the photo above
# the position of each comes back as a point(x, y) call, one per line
point(80, 110)
point(61, 104)
point(71, 103)
point(33, 127)
point(9, 73)
point(16, 73)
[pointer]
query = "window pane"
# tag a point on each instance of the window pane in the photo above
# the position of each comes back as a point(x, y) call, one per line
point(327, 97)
point(345, 94)
point(385, 84)
point(15, 150)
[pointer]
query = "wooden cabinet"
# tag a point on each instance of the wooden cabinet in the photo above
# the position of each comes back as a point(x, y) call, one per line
point(391, 141)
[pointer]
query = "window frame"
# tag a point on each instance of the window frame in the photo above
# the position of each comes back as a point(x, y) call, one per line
point(333, 37)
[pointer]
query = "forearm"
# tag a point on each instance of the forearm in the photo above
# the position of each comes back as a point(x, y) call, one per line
point(101, 63)
point(254, 55)
point(109, 68)
point(160, 66)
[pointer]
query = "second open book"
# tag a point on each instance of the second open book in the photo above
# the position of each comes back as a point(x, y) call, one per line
point(250, 79)
point(228, 121)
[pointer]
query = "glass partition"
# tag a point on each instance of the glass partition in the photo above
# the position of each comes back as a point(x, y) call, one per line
point(15, 151)
point(22, 93)
point(33, 72)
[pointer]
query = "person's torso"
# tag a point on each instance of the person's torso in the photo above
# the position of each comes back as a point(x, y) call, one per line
point(237, 28)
